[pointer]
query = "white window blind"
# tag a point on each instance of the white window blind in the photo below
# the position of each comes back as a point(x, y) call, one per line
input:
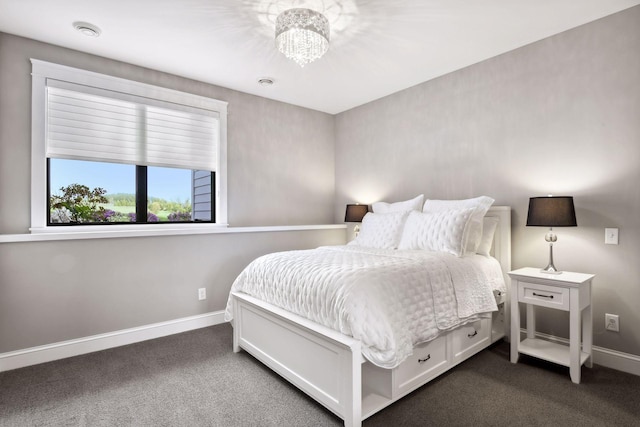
point(87, 123)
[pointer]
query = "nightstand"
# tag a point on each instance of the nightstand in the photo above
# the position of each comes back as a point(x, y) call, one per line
point(568, 292)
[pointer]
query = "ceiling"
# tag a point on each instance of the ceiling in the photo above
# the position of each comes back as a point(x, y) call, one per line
point(378, 47)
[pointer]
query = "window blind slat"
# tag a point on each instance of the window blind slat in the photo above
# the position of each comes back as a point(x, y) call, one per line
point(67, 99)
point(97, 117)
point(165, 133)
point(74, 127)
point(179, 117)
point(95, 144)
point(79, 154)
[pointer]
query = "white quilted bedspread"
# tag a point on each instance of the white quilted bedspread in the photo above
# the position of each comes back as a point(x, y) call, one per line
point(389, 300)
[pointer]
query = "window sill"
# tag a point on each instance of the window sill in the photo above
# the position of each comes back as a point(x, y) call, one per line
point(98, 232)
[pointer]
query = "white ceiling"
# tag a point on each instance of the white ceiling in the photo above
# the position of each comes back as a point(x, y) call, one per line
point(377, 46)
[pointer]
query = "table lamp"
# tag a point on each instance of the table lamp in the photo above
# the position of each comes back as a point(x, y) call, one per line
point(355, 213)
point(551, 211)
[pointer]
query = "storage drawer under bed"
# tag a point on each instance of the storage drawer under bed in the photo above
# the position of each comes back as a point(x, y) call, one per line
point(471, 338)
point(424, 362)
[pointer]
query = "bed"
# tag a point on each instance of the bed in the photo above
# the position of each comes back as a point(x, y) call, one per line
point(333, 362)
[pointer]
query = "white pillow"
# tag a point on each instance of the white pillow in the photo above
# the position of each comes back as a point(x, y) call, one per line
point(414, 204)
point(489, 225)
point(481, 205)
point(382, 231)
point(444, 231)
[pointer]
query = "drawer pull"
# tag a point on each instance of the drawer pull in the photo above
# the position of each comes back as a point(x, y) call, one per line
point(425, 359)
point(473, 334)
point(543, 296)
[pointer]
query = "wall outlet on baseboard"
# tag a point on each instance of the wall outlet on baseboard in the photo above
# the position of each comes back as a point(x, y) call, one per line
point(202, 294)
point(612, 322)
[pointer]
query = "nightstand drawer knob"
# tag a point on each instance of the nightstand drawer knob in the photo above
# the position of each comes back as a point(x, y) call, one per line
point(543, 296)
point(473, 334)
point(425, 359)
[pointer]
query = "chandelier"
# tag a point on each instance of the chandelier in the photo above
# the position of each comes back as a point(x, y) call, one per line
point(302, 35)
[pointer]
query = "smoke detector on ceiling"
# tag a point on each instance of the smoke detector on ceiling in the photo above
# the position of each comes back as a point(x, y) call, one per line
point(87, 29)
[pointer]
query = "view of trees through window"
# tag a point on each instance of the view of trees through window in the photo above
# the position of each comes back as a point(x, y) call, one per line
point(97, 192)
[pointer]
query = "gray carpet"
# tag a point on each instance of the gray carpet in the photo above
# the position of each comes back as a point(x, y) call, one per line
point(194, 379)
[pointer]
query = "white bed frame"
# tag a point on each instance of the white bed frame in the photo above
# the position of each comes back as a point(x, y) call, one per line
point(329, 366)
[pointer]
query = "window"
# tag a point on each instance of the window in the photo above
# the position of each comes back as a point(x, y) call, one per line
point(110, 151)
point(173, 195)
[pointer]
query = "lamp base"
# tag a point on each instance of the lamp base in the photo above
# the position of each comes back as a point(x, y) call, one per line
point(551, 270)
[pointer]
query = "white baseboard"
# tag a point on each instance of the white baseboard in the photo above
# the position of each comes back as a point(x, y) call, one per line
point(613, 359)
point(76, 347)
point(625, 362)
point(618, 360)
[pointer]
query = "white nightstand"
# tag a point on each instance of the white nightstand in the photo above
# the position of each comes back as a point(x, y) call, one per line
point(567, 291)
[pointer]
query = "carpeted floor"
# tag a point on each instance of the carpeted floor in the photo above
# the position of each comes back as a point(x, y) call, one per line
point(194, 379)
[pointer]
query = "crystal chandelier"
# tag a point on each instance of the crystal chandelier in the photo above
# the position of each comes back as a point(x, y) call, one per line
point(302, 35)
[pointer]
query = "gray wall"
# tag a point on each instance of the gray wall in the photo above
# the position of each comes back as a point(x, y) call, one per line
point(61, 290)
point(560, 116)
point(278, 174)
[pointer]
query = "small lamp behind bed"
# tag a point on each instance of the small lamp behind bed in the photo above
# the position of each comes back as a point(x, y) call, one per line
point(355, 213)
point(551, 212)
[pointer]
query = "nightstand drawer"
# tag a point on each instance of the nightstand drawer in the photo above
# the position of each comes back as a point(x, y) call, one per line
point(545, 296)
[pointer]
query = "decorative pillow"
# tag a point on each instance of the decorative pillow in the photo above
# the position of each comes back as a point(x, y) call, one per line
point(481, 205)
point(489, 225)
point(444, 231)
point(382, 231)
point(414, 204)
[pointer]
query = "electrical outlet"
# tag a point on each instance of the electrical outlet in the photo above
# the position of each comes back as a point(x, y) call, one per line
point(612, 322)
point(202, 293)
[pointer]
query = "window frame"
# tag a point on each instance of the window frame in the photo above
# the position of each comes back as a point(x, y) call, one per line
point(42, 70)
